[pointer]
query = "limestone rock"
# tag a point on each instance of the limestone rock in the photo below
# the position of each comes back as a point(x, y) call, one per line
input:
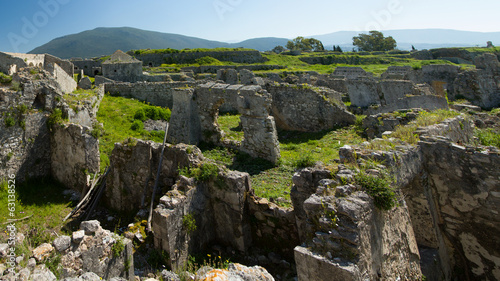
point(3, 249)
point(62, 243)
point(90, 227)
point(85, 83)
point(77, 236)
point(43, 251)
point(43, 274)
point(237, 272)
point(169, 276)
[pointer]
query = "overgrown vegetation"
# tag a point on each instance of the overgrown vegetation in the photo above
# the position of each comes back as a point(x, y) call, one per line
point(118, 114)
point(118, 247)
point(378, 187)
point(189, 223)
point(407, 133)
point(206, 171)
point(488, 137)
point(194, 263)
point(297, 150)
point(5, 79)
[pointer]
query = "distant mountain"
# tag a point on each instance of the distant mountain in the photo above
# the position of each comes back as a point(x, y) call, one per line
point(420, 38)
point(105, 41)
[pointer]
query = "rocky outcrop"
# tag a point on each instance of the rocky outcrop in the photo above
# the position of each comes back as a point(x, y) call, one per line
point(308, 109)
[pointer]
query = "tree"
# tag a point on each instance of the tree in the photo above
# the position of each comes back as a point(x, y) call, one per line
point(375, 41)
point(305, 44)
point(337, 49)
point(278, 49)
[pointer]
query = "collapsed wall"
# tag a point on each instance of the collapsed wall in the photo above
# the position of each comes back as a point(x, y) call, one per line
point(195, 112)
point(303, 108)
point(156, 93)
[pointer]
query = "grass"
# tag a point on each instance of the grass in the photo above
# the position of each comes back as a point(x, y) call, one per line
point(378, 187)
point(5, 79)
point(407, 133)
point(44, 200)
point(230, 125)
point(488, 137)
point(117, 116)
point(298, 150)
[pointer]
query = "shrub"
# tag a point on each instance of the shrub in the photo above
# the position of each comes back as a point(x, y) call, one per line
point(189, 223)
point(54, 118)
point(9, 122)
point(205, 172)
point(118, 247)
point(153, 113)
point(140, 115)
point(137, 125)
point(305, 160)
point(5, 79)
point(378, 188)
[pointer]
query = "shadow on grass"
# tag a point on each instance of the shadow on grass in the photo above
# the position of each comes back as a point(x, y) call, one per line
point(42, 192)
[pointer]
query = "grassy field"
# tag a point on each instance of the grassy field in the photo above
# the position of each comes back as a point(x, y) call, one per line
point(117, 114)
point(45, 205)
point(298, 150)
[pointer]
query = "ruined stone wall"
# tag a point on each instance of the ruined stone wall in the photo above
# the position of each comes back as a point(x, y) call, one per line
point(66, 83)
point(156, 93)
point(218, 209)
point(345, 236)
point(428, 102)
point(123, 71)
point(89, 67)
point(303, 108)
point(26, 145)
point(65, 65)
point(190, 57)
point(134, 169)
point(198, 112)
point(215, 68)
point(74, 156)
point(10, 64)
point(466, 190)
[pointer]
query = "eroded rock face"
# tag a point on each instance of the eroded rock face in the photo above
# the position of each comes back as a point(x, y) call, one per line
point(134, 170)
point(74, 155)
point(465, 186)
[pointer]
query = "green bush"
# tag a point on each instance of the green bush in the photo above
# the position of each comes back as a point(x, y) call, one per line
point(15, 86)
point(118, 247)
point(305, 160)
point(137, 125)
point(140, 115)
point(9, 122)
point(54, 118)
point(383, 195)
point(189, 222)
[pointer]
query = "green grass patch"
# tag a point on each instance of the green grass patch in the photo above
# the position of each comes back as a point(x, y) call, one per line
point(117, 116)
point(424, 119)
point(487, 137)
point(297, 150)
point(43, 200)
point(230, 125)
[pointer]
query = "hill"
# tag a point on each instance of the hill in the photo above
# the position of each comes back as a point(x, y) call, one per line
point(105, 41)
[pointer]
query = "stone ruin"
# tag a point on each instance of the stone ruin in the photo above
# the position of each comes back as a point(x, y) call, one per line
point(194, 118)
point(334, 229)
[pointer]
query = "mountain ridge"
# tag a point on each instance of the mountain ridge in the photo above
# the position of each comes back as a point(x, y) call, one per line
point(106, 40)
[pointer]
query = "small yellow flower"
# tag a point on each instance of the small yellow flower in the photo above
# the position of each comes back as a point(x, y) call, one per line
point(208, 255)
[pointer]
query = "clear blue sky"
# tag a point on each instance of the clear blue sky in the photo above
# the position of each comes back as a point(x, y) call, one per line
point(26, 24)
